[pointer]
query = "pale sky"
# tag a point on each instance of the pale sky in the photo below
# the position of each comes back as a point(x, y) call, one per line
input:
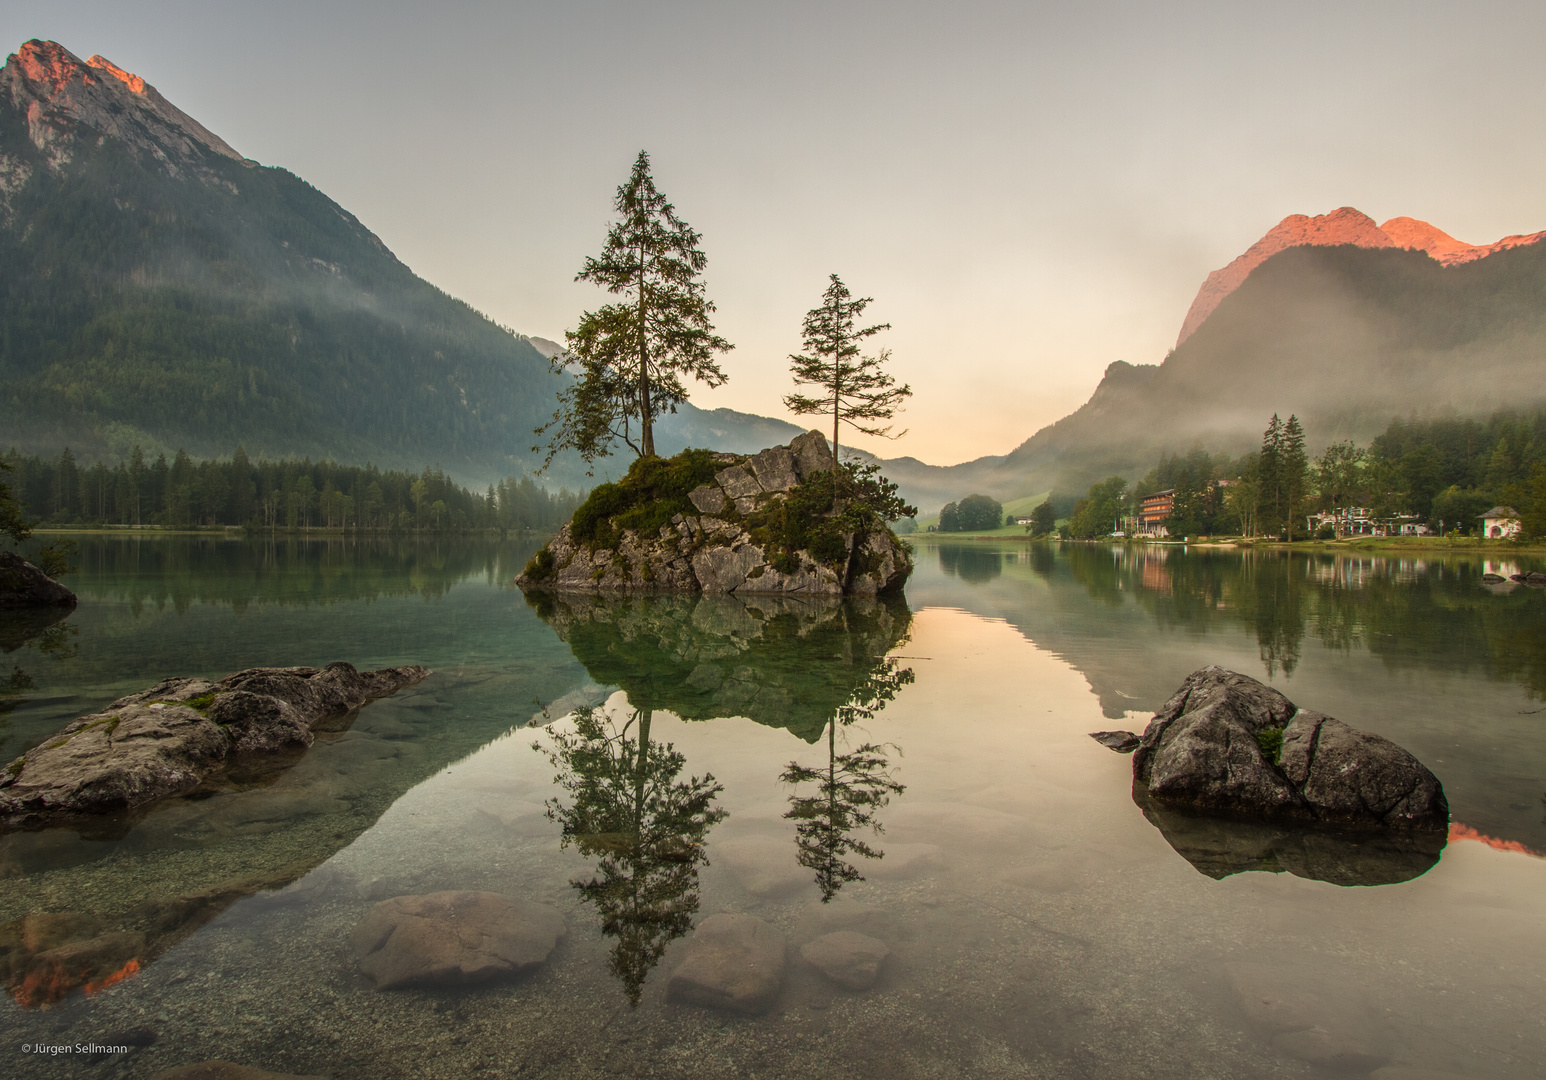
point(1029, 191)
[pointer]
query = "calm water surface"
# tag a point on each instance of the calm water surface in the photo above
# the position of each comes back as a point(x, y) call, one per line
point(1038, 923)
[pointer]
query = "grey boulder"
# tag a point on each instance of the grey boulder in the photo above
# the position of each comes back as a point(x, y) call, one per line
point(453, 938)
point(1226, 743)
point(733, 962)
point(171, 737)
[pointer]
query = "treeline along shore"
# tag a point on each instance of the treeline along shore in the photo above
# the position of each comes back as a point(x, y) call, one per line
point(275, 495)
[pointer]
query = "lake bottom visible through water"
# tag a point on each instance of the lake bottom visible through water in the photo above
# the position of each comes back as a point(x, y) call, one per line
point(1033, 922)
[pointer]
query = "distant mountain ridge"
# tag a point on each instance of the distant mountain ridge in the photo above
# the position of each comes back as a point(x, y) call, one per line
point(1342, 226)
point(157, 287)
point(1342, 321)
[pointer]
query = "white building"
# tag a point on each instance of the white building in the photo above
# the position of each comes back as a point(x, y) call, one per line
point(1500, 522)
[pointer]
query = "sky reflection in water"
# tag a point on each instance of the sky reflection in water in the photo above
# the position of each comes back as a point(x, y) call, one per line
point(1038, 922)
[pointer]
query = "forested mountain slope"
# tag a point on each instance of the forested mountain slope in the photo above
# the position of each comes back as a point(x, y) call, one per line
point(157, 288)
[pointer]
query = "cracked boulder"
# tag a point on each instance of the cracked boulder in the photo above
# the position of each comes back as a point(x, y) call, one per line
point(1229, 745)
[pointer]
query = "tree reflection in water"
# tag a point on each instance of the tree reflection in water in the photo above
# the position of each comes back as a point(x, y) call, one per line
point(42, 630)
point(850, 789)
point(627, 809)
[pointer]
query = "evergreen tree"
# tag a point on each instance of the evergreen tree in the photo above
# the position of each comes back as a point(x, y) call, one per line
point(629, 357)
point(1295, 465)
point(1270, 510)
point(854, 388)
point(13, 521)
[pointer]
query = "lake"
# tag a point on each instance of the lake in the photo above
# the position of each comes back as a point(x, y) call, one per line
point(918, 771)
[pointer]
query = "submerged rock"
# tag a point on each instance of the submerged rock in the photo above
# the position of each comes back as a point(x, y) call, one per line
point(850, 959)
point(1123, 742)
point(453, 938)
point(169, 738)
point(23, 585)
point(733, 962)
point(1300, 1012)
point(1227, 744)
point(728, 545)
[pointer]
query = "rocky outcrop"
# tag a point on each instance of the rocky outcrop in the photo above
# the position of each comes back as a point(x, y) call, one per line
point(453, 938)
point(170, 738)
point(721, 547)
point(1227, 744)
point(23, 585)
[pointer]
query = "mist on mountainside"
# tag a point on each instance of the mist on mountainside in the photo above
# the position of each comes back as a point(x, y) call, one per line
point(1346, 337)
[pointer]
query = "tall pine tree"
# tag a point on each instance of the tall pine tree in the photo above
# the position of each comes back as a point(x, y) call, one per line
point(1269, 475)
point(1295, 466)
point(630, 357)
point(854, 388)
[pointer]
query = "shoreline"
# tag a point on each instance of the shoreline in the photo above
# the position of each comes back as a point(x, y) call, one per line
point(1463, 545)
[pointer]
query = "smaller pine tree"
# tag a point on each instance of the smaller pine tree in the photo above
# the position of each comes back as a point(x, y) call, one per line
point(855, 390)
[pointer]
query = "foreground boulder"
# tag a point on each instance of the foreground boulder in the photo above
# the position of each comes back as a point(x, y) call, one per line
point(1227, 744)
point(453, 938)
point(23, 585)
point(170, 738)
point(723, 523)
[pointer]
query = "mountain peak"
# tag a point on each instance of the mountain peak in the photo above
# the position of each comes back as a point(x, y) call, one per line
point(1419, 235)
point(58, 96)
point(1342, 226)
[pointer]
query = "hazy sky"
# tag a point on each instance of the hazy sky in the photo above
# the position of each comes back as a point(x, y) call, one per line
point(1029, 191)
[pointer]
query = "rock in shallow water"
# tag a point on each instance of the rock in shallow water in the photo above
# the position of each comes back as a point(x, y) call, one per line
point(168, 738)
point(850, 959)
point(453, 938)
point(1123, 742)
point(733, 962)
point(1225, 743)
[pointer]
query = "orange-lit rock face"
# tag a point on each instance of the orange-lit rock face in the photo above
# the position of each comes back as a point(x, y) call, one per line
point(1344, 226)
point(51, 64)
point(62, 98)
point(1408, 232)
point(133, 82)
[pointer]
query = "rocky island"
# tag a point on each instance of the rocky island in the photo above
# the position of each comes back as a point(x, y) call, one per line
point(781, 521)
